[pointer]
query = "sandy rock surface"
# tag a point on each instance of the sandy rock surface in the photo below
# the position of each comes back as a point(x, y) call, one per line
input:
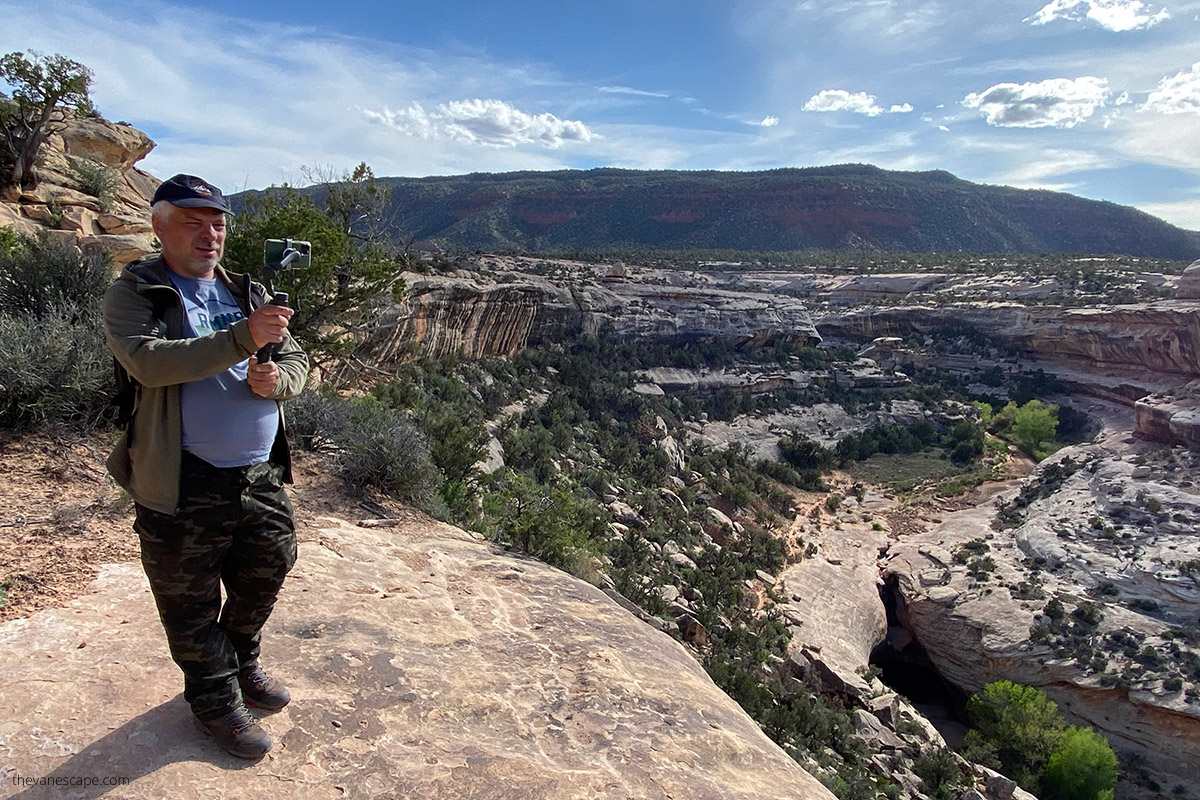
point(833, 596)
point(422, 662)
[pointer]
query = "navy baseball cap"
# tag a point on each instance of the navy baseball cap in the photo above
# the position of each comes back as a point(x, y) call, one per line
point(188, 191)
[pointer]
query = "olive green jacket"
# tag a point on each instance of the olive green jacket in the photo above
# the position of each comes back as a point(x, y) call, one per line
point(143, 325)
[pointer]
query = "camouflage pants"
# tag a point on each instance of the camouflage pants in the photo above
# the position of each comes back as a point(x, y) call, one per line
point(233, 527)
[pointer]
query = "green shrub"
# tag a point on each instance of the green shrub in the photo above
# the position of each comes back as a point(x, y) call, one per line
point(1088, 613)
point(807, 479)
point(43, 273)
point(547, 521)
point(1082, 767)
point(1054, 609)
point(1020, 732)
point(980, 568)
point(939, 773)
point(316, 419)
point(805, 454)
point(1019, 725)
point(381, 449)
point(373, 445)
point(53, 370)
point(99, 180)
point(54, 366)
point(10, 240)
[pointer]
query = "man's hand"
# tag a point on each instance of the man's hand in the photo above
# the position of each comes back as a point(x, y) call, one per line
point(263, 378)
point(269, 324)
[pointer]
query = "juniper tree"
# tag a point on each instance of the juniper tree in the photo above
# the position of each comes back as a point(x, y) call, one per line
point(46, 92)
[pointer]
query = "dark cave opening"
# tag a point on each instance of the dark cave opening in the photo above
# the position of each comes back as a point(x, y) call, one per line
point(906, 668)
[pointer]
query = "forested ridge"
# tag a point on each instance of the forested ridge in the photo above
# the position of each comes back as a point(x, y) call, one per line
point(847, 207)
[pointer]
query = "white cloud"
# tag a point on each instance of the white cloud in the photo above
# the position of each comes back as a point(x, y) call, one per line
point(880, 26)
point(1115, 15)
point(1165, 139)
point(1184, 213)
point(631, 91)
point(488, 122)
point(1056, 103)
point(857, 102)
point(1045, 168)
point(1177, 94)
point(269, 98)
point(769, 122)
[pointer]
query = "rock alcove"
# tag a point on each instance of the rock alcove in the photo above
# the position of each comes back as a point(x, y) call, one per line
point(906, 668)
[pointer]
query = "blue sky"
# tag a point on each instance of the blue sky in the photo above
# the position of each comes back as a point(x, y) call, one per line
point(1100, 98)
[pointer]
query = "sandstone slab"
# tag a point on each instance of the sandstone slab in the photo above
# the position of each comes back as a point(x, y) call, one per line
point(423, 663)
point(1104, 537)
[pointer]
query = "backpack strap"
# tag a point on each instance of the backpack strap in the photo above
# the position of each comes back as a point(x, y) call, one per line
point(124, 401)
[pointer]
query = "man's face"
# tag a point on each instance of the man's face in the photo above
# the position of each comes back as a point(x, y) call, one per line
point(192, 239)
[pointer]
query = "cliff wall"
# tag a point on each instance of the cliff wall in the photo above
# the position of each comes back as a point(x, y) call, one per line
point(477, 313)
point(1120, 352)
point(1094, 540)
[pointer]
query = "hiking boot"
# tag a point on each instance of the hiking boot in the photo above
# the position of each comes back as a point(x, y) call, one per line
point(261, 690)
point(237, 733)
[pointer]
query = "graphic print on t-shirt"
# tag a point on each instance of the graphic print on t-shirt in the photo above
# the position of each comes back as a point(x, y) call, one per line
point(223, 421)
point(215, 313)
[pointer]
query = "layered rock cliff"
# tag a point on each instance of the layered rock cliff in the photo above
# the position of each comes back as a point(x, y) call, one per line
point(119, 222)
point(501, 309)
point(1145, 346)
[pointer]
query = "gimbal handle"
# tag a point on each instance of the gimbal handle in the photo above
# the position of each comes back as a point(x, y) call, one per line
point(268, 351)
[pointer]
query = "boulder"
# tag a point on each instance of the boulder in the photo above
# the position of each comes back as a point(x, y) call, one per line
point(1188, 287)
point(626, 515)
point(1168, 419)
point(120, 224)
point(80, 219)
point(116, 145)
point(11, 217)
point(674, 454)
point(422, 663)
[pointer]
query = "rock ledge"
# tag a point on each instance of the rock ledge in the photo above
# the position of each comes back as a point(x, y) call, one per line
point(423, 663)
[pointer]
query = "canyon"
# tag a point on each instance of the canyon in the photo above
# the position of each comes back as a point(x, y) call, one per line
point(1105, 527)
point(1132, 368)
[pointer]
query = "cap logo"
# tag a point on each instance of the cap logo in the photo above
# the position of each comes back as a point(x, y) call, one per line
point(200, 188)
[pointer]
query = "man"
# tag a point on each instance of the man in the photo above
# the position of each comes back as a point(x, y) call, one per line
point(204, 457)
